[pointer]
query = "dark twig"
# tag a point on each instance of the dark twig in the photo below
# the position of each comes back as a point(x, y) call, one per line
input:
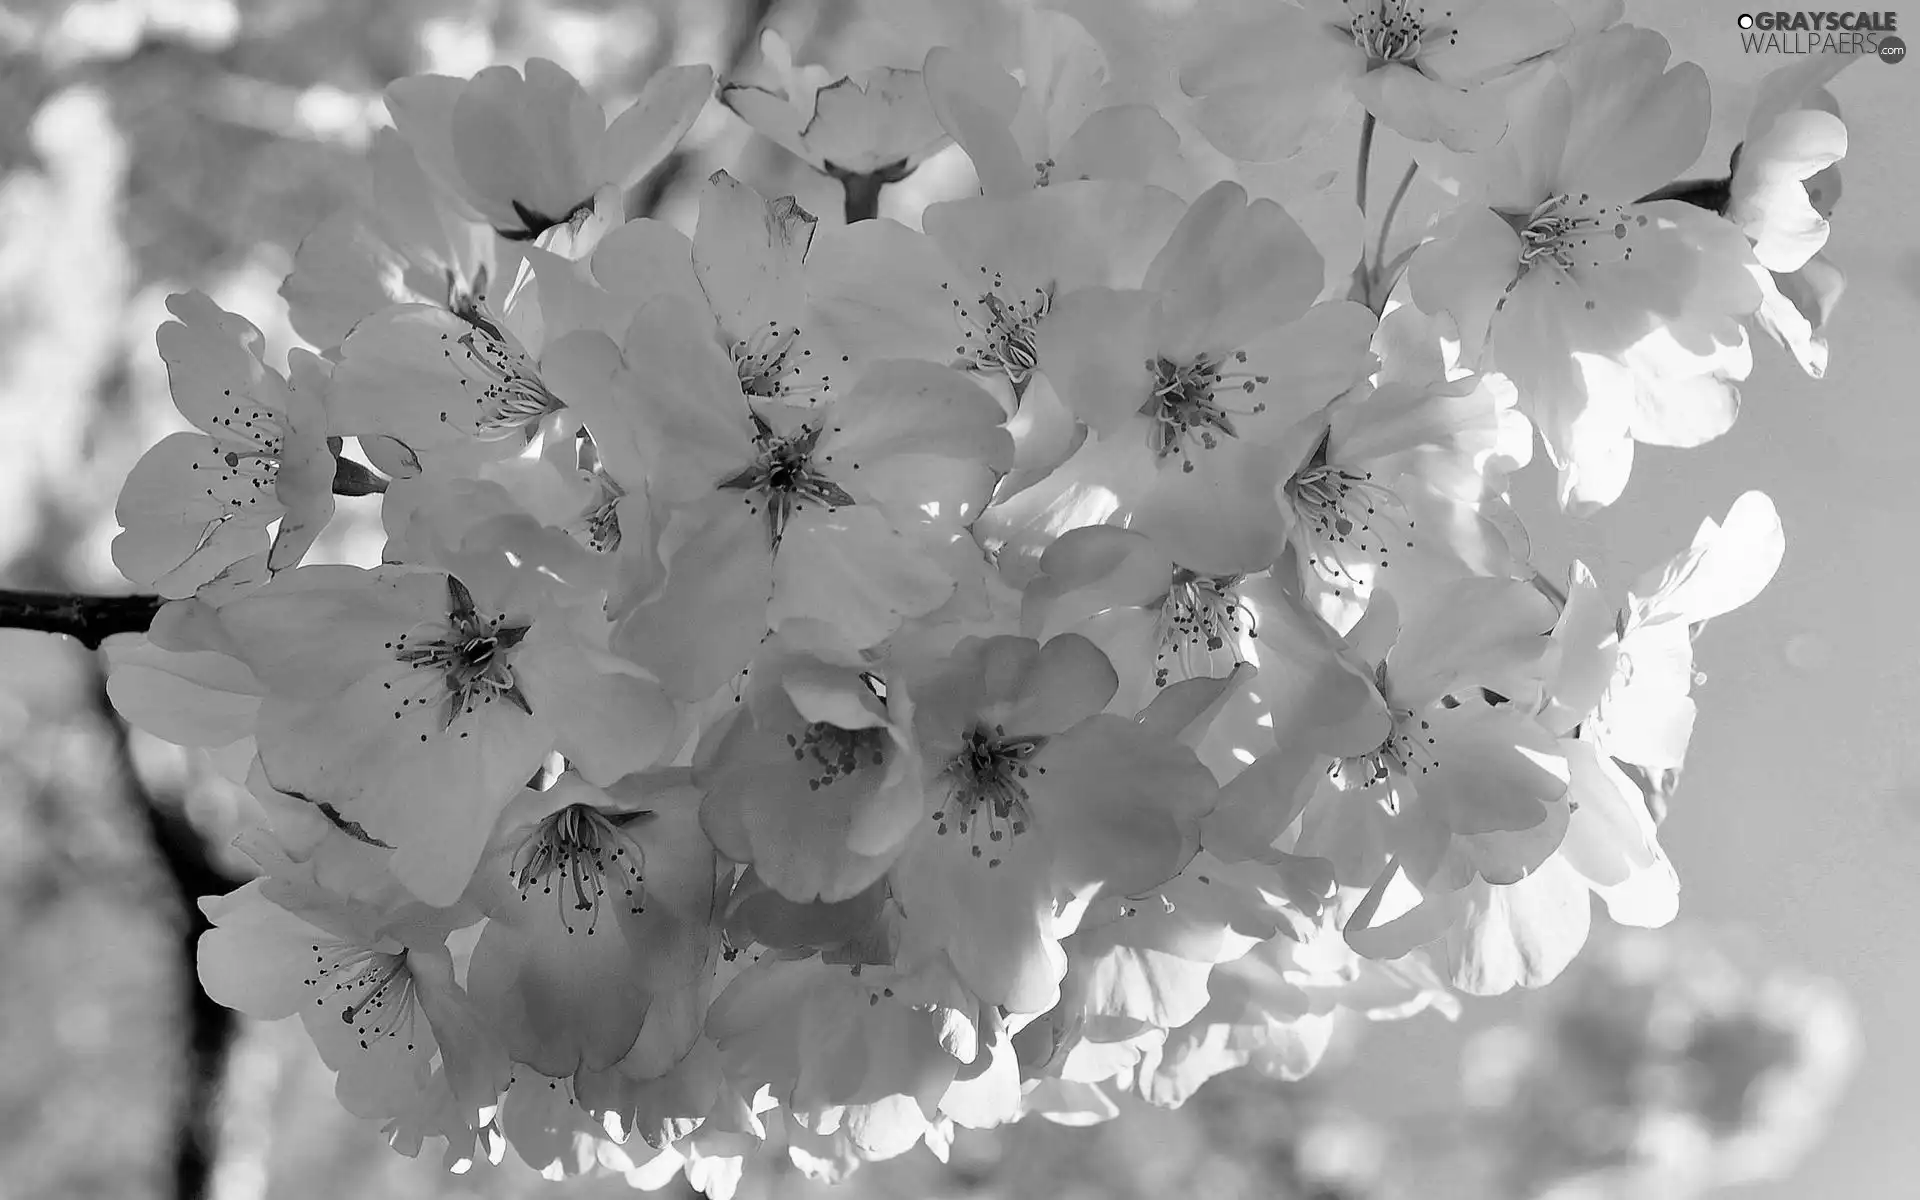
point(89, 620)
point(190, 872)
point(863, 188)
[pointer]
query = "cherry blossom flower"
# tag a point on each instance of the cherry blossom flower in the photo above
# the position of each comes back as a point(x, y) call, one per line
point(374, 986)
point(410, 242)
point(1406, 489)
point(196, 508)
point(418, 707)
point(1785, 183)
point(830, 510)
point(1193, 383)
point(818, 783)
point(1466, 783)
point(875, 122)
point(1058, 130)
point(600, 903)
point(1034, 797)
point(1617, 319)
point(1160, 623)
point(1267, 82)
point(529, 152)
point(828, 686)
point(462, 383)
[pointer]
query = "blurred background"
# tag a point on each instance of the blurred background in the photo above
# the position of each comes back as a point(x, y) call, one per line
point(151, 146)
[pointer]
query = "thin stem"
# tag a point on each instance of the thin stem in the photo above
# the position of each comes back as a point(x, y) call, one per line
point(863, 196)
point(1360, 289)
point(1393, 210)
point(1364, 164)
point(89, 620)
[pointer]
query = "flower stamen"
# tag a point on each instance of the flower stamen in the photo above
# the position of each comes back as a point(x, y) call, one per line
point(986, 800)
point(1188, 409)
point(470, 653)
point(1200, 617)
point(580, 856)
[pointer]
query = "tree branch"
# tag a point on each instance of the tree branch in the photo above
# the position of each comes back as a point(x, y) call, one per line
point(89, 620)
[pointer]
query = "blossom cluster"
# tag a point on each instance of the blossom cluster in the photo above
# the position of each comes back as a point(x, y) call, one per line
point(829, 683)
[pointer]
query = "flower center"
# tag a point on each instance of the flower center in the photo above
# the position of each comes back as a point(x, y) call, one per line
point(1389, 31)
point(1407, 753)
point(466, 299)
point(506, 390)
point(1344, 513)
point(1200, 616)
point(986, 800)
point(598, 525)
point(1572, 233)
point(1187, 410)
point(373, 988)
point(471, 655)
point(783, 479)
point(583, 857)
point(998, 329)
point(837, 752)
point(771, 364)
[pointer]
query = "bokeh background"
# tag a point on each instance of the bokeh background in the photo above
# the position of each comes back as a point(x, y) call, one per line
point(150, 146)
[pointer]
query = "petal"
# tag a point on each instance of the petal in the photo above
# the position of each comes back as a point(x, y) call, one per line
point(1092, 569)
point(610, 720)
point(1091, 346)
point(1319, 691)
point(1263, 86)
point(1120, 806)
point(1727, 566)
point(1476, 631)
point(429, 378)
point(315, 631)
point(881, 118)
point(703, 627)
point(877, 289)
point(1465, 271)
point(1496, 770)
point(992, 922)
point(191, 699)
point(974, 100)
point(1069, 235)
point(1222, 515)
point(1297, 369)
point(1492, 37)
point(189, 515)
point(431, 791)
point(256, 956)
point(529, 142)
point(1125, 141)
point(852, 568)
point(213, 365)
point(797, 818)
point(1039, 689)
point(747, 252)
point(1519, 935)
point(679, 399)
point(1433, 110)
point(1230, 270)
point(640, 138)
point(906, 407)
point(1774, 207)
point(1636, 125)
